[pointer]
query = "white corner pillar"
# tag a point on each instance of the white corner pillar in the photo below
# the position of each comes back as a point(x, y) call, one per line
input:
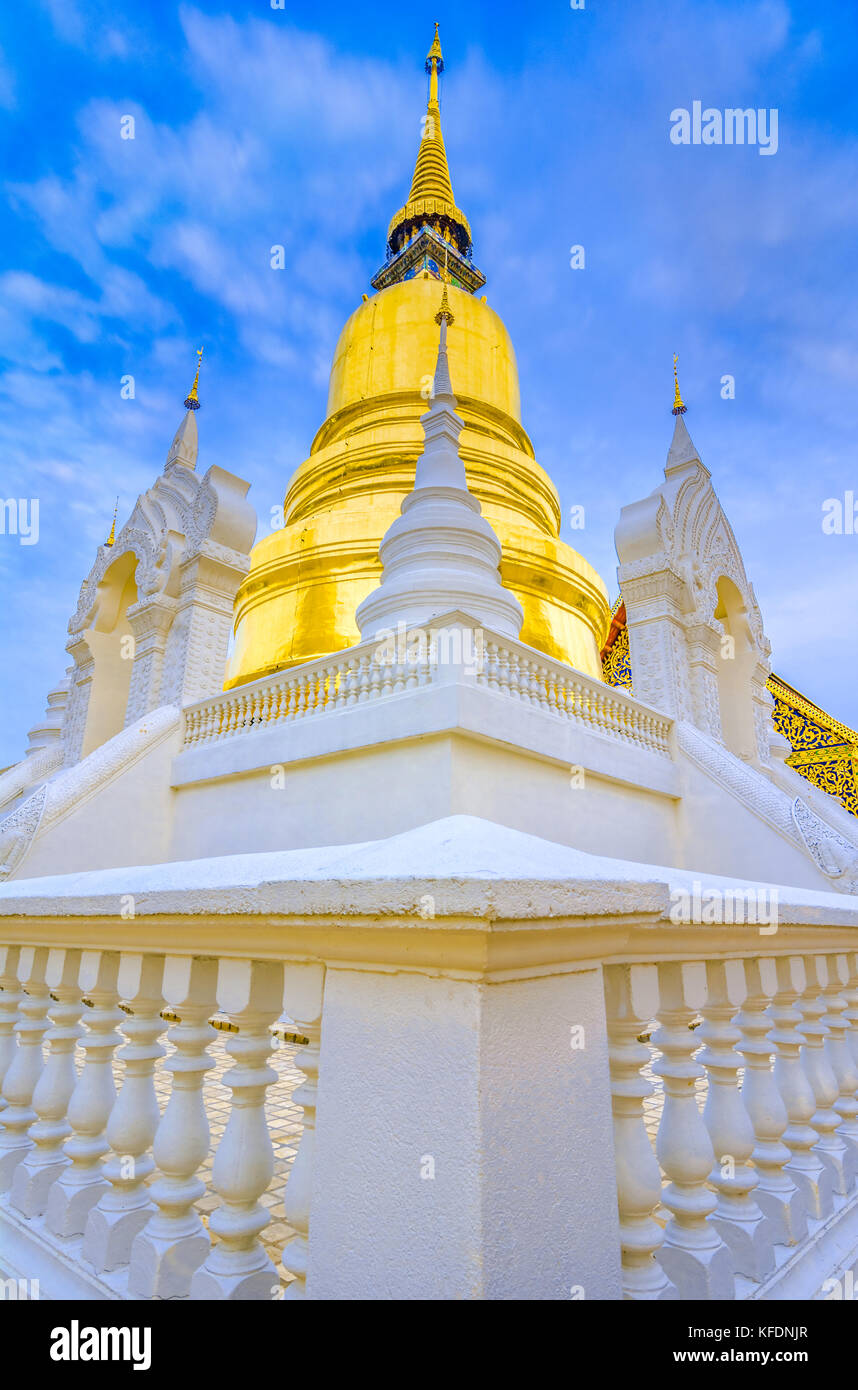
point(464, 1145)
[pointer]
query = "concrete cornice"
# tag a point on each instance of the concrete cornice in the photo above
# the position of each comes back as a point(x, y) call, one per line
point(466, 897)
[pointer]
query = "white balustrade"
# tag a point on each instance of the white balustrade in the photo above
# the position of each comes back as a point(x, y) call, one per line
point(363, 675)
point(237, 1267)
point(737, 1217)
point(174, 1243)
point(729, 1196)
point(829, 1147)
point(10, 999)
point(841, 1060)
point(81, 1183)
point(694, 1255)
point(305, 986)
point(631, 998)
point(807, 1170)
point(125, 1205)
point(25, 1067)
point(46, 1160)
point(777, 1195)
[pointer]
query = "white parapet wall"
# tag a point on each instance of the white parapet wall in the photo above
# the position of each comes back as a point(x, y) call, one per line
point(480, 1015)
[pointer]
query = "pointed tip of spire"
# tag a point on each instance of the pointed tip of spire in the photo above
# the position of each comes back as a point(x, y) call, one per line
point(682, 449)
point(111, 539)
point(192, 400)
point(679, 407)
point(435, 53)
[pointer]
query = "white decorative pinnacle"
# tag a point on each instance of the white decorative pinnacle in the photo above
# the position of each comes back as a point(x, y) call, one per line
point(682, 450)
point(440, 554)
point(185, 442)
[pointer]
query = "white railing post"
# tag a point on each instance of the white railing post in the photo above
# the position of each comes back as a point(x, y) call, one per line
point(125, 1206)
point(82, 1182)
point(10, 1002)
point(46, 1160)
point(174, 1242)
point(830, 1147)
point(631, 1001)
point(737, 1217)
point(841, 1061)
point(777, 1194)
point(305, 987)
point(810, 1175)
point(25, 1069)
point(694, 1256)
point(237, 1267)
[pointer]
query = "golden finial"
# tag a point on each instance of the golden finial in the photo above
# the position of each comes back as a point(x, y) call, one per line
point(111, 539)
point(192, 401)
point(678, 407)
point(445, 312)
point(435, 53)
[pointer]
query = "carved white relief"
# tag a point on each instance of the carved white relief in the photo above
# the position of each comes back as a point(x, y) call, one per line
point(832, 853)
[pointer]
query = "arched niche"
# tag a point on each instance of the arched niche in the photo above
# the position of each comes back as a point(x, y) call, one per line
point(736, 665)
point(111, 644)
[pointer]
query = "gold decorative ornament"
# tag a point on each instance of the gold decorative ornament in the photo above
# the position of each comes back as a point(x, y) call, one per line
point(678, 407)
point(192, 400)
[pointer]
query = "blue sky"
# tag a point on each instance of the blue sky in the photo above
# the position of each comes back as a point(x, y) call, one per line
point(300, 126)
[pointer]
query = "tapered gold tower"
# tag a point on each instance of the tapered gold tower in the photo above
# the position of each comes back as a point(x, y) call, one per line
point(298, 601)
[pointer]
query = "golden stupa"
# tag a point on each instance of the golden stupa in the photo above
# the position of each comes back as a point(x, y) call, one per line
point(306, 580)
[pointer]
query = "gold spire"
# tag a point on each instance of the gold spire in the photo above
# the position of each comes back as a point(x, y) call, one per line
point(445, 312)
point(678, 407)
point(431, 198)
point(192, 401)
point(111, 539)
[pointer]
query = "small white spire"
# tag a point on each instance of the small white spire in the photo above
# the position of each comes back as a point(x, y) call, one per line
point(185, 443)
point(682, 450)
point(440, 555)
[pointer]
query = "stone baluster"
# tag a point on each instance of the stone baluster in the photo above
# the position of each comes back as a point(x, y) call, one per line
point(489, 674)
point(10, 1003)
point(841, 1061)
point(237, 1267)
point(737, 1217)
point(46, 1160)
point(82, 1182)
point(376, 678)
point(777, 1195)
point(174, 1242)
point(631, 999)
point(806, 1169)
point(25, 1068)
point(504, 671)
point(830, 1147)
point(125, 1206)
point(693, 1256)
point(293, 691)
point(850, 994)
point(305, 986)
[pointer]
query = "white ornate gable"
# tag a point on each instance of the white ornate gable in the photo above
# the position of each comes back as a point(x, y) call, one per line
point(186, 544)
point(697, 644)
